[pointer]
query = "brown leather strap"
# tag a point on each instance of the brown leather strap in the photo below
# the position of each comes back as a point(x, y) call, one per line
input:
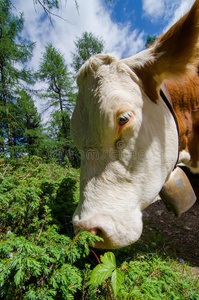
point(165, 90)
point(164, 93)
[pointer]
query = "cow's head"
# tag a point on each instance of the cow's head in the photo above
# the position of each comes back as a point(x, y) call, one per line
point(126, 135)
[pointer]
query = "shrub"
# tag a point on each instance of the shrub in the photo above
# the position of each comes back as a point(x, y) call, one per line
point(41, 259)
point(34, 194)
point(41, 267)
point(36, 204)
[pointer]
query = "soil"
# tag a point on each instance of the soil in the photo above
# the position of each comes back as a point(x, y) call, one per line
point(181, 233)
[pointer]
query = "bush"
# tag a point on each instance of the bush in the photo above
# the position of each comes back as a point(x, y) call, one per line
point(34, 194)
point(41, 259)
point(36, 205)
point(41, 267)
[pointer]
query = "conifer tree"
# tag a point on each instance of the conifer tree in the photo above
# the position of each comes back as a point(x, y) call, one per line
point(86, 46)
point(150, 40)
point(59, 92)
point(27, 132)
point(14, 52)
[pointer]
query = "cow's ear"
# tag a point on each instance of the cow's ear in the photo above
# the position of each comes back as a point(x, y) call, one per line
point(170, 56)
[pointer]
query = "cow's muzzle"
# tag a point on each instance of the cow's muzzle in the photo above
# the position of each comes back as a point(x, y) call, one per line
point(96, 230)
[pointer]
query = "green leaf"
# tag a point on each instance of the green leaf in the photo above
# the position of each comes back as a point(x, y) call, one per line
point(100, 273)
point(19, 277)
point(109, 259)
point(116, 280)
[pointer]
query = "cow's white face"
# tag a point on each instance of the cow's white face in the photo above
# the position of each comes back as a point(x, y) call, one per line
point(126, 135)
point(128, 146)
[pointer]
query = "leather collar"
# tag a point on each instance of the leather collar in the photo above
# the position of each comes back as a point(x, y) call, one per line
point(164, 94)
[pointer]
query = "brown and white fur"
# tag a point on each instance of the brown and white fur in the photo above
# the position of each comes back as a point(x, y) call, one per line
point(126, 135)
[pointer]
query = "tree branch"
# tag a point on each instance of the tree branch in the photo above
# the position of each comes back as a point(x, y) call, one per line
point(49, 13)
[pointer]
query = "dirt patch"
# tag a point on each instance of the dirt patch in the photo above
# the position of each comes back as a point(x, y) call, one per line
point(182, 233)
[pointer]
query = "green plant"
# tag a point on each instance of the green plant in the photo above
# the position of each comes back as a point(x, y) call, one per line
point(42, 266)
point(41, 259)
point(34, 194)
point(144, 277)
point(193, 294)
point(105, 270)
point(36, 260)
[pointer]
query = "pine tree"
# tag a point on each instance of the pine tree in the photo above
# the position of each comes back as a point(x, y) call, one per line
point(59, 93)
point(85, 47)
point(14, 52)
point(150, 40)
point(53, 71)
point(27, 132)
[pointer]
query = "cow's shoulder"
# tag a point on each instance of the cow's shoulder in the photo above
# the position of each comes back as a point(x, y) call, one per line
point(185, 98)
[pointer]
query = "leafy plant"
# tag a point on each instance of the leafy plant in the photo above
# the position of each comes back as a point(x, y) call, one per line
point(41, 259)
point(37, 201)
point(42, 267)
point(105, 270)
point(144, 277)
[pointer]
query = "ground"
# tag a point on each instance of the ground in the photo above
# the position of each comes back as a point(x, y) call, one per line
point(181, 233)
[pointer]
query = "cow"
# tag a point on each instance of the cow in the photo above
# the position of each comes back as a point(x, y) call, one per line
point(127, 136)
point(185, 99)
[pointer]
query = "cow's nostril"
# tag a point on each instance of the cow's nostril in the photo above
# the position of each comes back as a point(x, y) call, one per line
point(78, 227)
point(96, 231)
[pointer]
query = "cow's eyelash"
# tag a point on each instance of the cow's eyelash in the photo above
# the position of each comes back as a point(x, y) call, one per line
point(125, 117)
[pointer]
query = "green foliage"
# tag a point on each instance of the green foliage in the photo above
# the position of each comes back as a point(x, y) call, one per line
point(59, 96)
point(47, 4)
point(152, 278)
point(41, 266)
point(40, 259)
point(150, 40)
point(144, 277)
point(14, 52)
point(54, 72)
point(58, 143)
point(105, 270)
point(26, 126)
point(33, 193)
point(85, 47)
point(36, 204)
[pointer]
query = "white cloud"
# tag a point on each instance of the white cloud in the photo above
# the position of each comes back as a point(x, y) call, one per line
point(92, 17)
point(183, 8)
point(153, 8)
point(166, 11)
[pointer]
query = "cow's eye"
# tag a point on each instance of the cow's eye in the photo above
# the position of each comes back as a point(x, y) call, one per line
point(125, 118)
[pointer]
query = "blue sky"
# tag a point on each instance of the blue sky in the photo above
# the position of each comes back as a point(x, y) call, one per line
point(150, 16)
point(124, 26)
point(132, 11)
